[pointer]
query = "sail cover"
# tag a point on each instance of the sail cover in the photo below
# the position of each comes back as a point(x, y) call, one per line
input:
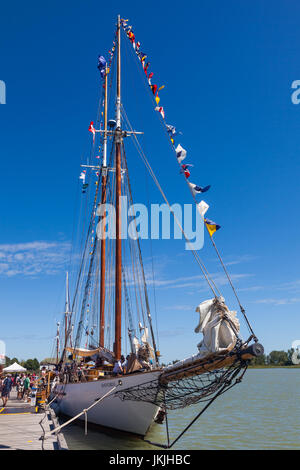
point(102, 352)
point(219, 326)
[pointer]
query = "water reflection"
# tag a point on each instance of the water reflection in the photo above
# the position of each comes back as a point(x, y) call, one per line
point(260, 413)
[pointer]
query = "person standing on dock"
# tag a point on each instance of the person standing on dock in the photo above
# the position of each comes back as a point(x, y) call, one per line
point(26, 384)
point(6, 388)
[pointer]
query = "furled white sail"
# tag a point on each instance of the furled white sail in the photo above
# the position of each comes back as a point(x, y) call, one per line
point(218, 325)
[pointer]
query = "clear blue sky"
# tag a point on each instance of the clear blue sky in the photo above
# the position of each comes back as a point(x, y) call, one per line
point(228, 69)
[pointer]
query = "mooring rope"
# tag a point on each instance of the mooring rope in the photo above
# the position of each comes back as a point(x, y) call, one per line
point(84, 411)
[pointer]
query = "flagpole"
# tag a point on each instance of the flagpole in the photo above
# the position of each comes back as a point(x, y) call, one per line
point(118, 255)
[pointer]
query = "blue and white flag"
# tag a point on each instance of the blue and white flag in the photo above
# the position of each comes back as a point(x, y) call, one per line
point(101, 65)
point(198, 189)
point(171, 129)
point(180, 153)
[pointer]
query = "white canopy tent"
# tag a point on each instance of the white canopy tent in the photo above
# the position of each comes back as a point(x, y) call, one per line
point(15, 367)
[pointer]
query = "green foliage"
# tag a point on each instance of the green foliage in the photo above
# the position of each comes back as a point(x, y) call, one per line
point(9, 362)
point(278, 358)
point(274, 359)
point(32, 364)
point(259, 361)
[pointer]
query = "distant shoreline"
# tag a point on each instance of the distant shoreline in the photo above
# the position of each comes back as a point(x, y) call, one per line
point(295, 366)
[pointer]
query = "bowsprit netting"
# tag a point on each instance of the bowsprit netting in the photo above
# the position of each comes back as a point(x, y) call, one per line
point(187, 390)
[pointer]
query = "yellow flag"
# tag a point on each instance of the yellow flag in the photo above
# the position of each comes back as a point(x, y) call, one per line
point(211, 226)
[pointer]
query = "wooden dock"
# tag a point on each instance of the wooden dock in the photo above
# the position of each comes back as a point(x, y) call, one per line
point(21, 427)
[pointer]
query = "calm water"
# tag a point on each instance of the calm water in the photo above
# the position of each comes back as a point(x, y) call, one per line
point(263, 412)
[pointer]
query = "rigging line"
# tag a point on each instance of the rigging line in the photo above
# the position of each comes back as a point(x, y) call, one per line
point(234, 291)
point(135, 282)
point(88, 233)
point(145, 286)
point(163, 121)
point(152, 267)
point(142, 268)
point(89, 160)
point(194, 253)
point(84, 301)
point(136, 286)
point(128, 309)
point(74, 235)
point(136, 274)
point(109, 307)
point(222, 390)
point(151, 256)
point(88, 281)
point(135, 271)
point(94, 297)
point(74, 226)
point(216, 249)
point(84, 258)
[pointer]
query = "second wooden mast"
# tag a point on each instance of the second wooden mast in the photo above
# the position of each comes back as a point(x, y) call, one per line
point(103, 202)
point(118, 259)
point(118, 254)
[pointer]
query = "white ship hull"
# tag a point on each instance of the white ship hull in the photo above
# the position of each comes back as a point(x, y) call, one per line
point(124, 415)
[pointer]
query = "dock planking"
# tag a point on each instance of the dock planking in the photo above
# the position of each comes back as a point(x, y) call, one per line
point(21, 427)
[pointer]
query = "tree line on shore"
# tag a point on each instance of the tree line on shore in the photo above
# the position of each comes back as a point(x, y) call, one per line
point(32, 365)
point(277, 358)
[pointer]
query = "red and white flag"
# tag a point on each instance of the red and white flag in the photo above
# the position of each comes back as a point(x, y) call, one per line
point(82, 176)
point(92, 130)
point(160, 109)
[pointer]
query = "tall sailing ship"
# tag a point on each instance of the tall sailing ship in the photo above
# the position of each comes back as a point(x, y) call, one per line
point(111, 296)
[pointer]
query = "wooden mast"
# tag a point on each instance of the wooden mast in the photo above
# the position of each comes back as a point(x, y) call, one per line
point(103, 202)
point(67, 308)
point(57, 342)
point(118, 260)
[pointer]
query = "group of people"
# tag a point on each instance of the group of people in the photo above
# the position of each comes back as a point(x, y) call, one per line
point(73, 371)
point(23, 384)
point(132, 363)
point(120, 367)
